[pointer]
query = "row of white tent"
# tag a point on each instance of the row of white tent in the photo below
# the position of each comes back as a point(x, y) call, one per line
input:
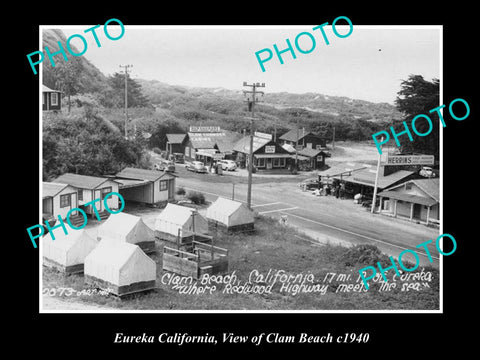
point(117, 258)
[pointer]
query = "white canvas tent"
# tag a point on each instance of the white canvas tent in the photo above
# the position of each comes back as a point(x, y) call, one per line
point(128, 228)
point(230, 214)
point(174, 218)
point(121, 267)
point(67, 252)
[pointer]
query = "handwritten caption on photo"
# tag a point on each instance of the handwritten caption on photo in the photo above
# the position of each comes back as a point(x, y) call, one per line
point(293, 284)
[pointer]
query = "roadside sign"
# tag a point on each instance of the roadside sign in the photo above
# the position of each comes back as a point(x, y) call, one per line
point(410, 160)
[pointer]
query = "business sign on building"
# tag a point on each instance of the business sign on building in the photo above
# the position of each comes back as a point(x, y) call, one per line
point(205, 129)
point(263, 135)
point(270, 149)
point(410, 160)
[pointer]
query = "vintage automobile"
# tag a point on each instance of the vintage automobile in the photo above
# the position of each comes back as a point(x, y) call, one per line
point(427, 172)
point(228, 165)
point(196, 166)
point(167, 166)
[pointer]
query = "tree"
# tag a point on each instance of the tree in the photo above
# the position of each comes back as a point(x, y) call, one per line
point(419, 96)
point(68, 76)
point(135, 96)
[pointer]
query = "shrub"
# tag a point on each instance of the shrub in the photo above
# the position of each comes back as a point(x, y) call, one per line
point(196, 197)
point(362, 254)
point(156, 150)
point(180, 191)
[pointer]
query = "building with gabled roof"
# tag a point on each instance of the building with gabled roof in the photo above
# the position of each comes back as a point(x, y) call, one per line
point(306, 139)
point(146, 186)
point(267, 154)
point(176, 143)
point(58, 199)
point(90, 188)
point(416, 199)
point(51, 99)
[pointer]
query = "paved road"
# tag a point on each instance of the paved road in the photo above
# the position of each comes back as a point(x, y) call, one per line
point(326, 219)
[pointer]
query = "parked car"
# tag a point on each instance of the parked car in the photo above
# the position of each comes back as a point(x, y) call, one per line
point(178, 158)
point(196, 166)
point(167, 166)
point(427, 172)
point(229, 165)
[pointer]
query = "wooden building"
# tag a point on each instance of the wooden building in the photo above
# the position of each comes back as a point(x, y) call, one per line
point(90, 188)
point(267, 154)
point(310, 159)
point(58, 199)
point(51, 99)
point(417, 200)
point(176, 143)
point(306, 139)
point(146, 186)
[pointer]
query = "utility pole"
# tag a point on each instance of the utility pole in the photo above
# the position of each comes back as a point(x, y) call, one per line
point(376, 181)
point(126, 97)
point(333, 137)
point(251, 99)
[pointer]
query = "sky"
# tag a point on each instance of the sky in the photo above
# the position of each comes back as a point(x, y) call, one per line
point(369, 64)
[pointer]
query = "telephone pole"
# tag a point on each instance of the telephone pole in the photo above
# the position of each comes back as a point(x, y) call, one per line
point(251, 99)
point(126, 97)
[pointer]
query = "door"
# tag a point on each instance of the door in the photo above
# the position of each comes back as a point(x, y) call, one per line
point(269, 163)
point(417, 210)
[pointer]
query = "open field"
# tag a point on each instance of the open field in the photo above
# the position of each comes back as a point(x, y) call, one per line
point(272, 248)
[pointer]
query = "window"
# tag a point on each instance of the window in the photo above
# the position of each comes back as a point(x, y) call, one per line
point(282, 162)
point(80, 194)
point(276, 162)
point(408, 186)
point(105, 191)
point(163, 185)
point(261, 162)
point(65, 200)
point(54, 98)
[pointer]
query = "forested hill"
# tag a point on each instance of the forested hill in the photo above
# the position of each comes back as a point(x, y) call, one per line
point(92, 100)
point(88, 78)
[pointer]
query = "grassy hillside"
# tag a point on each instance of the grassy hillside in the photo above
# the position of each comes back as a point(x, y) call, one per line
point(353, 119)
point(274, 247)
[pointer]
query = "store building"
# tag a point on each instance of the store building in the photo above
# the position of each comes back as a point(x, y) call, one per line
point(417, 200)
point(267, 154)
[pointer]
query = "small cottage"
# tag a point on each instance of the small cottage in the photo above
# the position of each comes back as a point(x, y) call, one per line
point(58, 199)
point(90, 188)
point(51, 99)
point(146, 186)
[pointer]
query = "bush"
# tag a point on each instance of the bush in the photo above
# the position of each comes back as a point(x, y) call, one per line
point(196, 197)
point(362, 254)
point(180, 191)
point(156, 150)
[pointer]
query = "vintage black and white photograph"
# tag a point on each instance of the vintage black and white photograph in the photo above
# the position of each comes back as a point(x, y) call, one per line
point(234, 168)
